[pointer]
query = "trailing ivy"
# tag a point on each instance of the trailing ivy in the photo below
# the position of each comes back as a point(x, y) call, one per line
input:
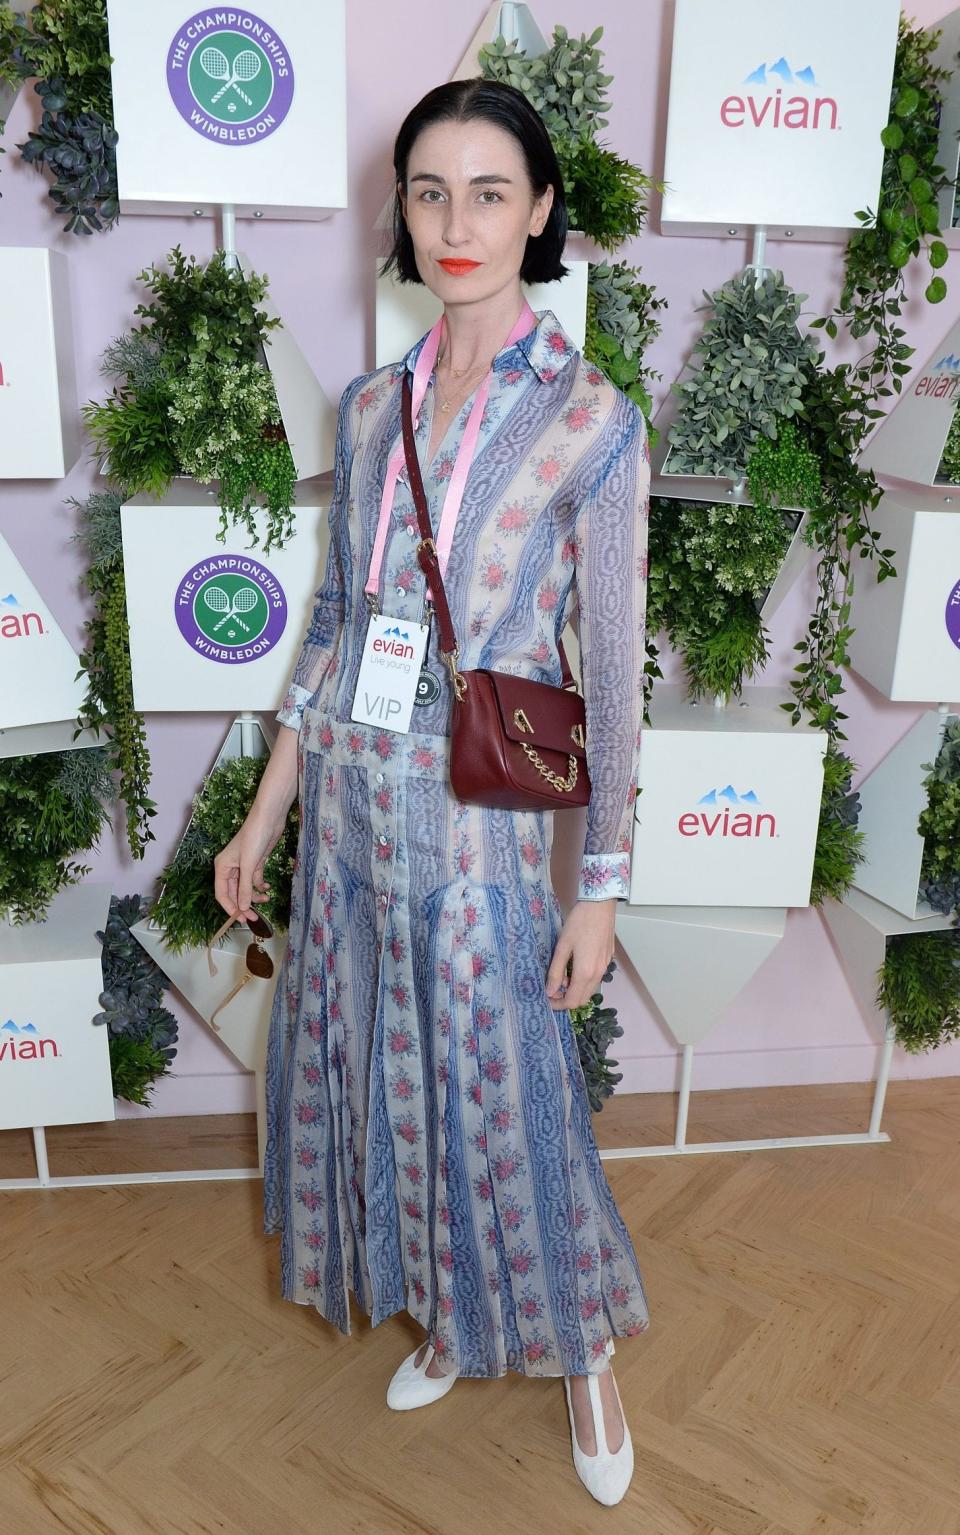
point(105, 662)
point(143, 1033)
point(52, 808)
point(186, 908)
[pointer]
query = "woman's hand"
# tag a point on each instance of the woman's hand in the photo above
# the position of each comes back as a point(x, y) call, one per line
point(588, 937)
point(238, 870)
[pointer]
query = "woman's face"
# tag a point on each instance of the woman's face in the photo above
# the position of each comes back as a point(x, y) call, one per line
point(468, 198)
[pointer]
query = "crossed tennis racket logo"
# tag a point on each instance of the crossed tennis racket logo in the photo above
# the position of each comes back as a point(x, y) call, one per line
point(243, 601)
point(215, 64)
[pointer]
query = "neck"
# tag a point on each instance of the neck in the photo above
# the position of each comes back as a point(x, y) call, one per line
point(474, 333)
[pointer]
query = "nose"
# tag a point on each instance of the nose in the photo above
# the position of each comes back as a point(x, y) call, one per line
point(456, 230)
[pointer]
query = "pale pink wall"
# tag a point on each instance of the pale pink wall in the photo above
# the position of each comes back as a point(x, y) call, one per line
point(797, 1021)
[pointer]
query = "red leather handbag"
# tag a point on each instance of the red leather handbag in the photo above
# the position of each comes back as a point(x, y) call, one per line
point(515, 744)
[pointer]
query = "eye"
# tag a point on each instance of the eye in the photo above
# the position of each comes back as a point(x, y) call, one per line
point(491, 193)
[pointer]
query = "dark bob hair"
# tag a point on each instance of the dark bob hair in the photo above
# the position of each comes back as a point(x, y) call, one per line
point(491, 101)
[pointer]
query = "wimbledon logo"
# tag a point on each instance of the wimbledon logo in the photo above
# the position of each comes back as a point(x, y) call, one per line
point(230, 608)
point(763, 104)
point(230, 76)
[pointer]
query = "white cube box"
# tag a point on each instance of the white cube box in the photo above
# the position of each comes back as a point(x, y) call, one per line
point(229, 105)
point(39, 422)
point(775, 115)
point(907, 444)
point(729, 802)
point(54, 1061)
point(906, 638)
point(217, 625)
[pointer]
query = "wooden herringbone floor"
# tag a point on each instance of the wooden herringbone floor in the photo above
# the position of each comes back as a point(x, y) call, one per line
point(801, 1375)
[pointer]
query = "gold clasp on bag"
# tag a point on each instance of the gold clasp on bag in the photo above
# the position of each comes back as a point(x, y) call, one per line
point(521, 721)
point(456, 677)
point(577, 732)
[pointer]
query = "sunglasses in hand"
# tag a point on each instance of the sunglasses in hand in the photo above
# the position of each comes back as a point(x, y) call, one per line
point(258, 963)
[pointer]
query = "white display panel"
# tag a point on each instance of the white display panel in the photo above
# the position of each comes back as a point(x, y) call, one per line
point(217, 625)
point(39, 423)
point(219, 105)
point(37, 664)
point(54, 1061)
point(729, 802)
point(906, 638)
point(908, 443)
point(775, 114)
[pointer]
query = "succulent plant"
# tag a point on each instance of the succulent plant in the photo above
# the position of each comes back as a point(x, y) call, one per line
point(143, 1033)
point(79, 148)
point(754, 369)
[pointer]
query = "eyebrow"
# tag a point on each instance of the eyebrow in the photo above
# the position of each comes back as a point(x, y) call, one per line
point(474, 180)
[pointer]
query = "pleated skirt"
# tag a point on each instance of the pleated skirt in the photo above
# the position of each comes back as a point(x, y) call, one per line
point(429, 1140)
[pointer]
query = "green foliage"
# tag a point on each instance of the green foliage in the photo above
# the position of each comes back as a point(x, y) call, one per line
point(905, 223)
point(839, 846)
point(195, 397)
point(919, 986)
point(52, 807)
point(606, 195)
point(65, 44)
point(142, 1031)
point(594, 1026)
point(710, 569)
point(939, 825)
point(621, 323)
point(186, 908)
point(754, 366)
point(105, 661)
point(783, 471)
point(949, 467)
point(565, 84)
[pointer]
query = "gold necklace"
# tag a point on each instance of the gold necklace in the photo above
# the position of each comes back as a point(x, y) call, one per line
point(458, 373)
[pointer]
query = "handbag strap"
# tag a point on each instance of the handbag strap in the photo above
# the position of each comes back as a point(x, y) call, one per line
point(427, 549)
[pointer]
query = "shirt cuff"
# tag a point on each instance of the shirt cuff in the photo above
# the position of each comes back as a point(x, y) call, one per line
point(291, 710)
point(604, 876)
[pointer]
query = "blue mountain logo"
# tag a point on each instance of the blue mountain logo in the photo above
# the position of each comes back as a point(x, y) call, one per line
point(730, 795)
point(781, 73)
point(28, 1028)
point(10, 601)
point(947, 364)
point(403, 634)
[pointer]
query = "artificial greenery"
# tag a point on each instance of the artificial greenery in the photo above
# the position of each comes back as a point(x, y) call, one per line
point(620, 325)
point(594, 1026)
point(105, 662)
point(782, 470)
point(52, 808)
point(64, 43)
point(839, 846)
point(949, 466)
point(919, 986)
point(710, 568)
point(194, 396)
point(751, 376)
point(606, 196)
point(939, 825)
point(143, 1033)
point(186, 908)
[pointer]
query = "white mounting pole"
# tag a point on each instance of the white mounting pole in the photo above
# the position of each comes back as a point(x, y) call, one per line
point(228, 222)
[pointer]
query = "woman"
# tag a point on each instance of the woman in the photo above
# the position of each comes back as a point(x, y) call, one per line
point(429, 1137)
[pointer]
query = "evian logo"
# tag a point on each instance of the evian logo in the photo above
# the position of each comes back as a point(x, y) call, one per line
point(943, 380)
point(15, 622)
point(394, 646)
point(24, 1044)
point(717, 818)
point(764, 103)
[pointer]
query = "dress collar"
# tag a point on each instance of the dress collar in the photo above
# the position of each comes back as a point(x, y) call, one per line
point(546, 348)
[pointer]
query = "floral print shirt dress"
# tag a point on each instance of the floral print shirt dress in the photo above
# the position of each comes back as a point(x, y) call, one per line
point(430, 1146)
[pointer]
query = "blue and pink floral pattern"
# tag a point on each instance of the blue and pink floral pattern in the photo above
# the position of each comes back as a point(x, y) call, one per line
point(430, 1146)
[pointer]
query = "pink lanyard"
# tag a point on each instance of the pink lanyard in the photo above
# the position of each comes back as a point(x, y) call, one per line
point(461, 468)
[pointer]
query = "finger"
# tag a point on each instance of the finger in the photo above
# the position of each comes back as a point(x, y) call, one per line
point(556, 974)
point(225, 886)
point(244, 892)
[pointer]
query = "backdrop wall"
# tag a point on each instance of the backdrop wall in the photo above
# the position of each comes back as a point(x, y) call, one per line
point(797, 1022)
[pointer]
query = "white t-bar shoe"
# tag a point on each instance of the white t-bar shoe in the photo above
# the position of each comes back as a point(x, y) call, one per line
point(411, 1386)
point(607, 1474)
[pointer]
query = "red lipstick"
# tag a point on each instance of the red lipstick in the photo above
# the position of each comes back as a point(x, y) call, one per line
point(457, 267)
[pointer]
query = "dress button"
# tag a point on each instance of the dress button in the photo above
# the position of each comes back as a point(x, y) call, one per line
point(399, 591)
point(379, 778)
point(382, 838)
point(411, 529)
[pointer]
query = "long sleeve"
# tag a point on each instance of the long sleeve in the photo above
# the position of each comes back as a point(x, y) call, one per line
point(611, 577)
point(323, 634)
